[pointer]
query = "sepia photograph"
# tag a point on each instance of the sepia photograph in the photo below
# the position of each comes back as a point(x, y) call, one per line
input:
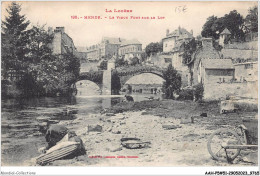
point(129, 84)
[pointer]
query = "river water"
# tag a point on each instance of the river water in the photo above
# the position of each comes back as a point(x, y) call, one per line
point(20, 119)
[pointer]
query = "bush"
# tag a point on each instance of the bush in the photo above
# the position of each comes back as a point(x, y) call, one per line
point(103, 65)
point(134, 61)
point(186, 94)
point(198, 92)
point(172, 81)
point(191, 93)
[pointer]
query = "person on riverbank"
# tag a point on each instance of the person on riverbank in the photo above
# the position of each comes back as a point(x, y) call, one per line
point(56, 133)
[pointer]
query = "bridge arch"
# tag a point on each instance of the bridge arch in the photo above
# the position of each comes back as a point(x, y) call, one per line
point(94, 76)
point(124, 79)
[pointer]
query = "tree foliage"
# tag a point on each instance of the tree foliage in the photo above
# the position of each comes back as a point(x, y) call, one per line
point(103, 65)
point(189, 49)
point(14, 39)
point(115, 83)
point(252, 19)
point(134, 61)
point(172, 81)
point(28, 53)
point(120, 62)
point(153, 48)
point(233, 21)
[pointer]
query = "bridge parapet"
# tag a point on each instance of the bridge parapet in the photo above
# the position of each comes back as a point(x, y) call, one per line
point(94, 76)
point(125, 73)
point(133, 70)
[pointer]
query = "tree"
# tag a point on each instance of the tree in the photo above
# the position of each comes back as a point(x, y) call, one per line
point(233, 22)
point(120, 62)
point(153, 48)
point(38, 45)
point(14, 39)
point(115, 83)
point(143, 57)
point(172, 81)
point(103, 65)
point(252, 19)
point(134, 61)
point(189, 49)
point(207, 30)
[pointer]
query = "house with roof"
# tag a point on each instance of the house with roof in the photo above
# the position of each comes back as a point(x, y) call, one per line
point(109, 46)
point(93, 52)
point(130, 49)
point(246, 71)
point(212, 71)
point(224, 35)
point(62, 43)
point(173, 48)
point(175, 38)
point(82, 54)
point(206, 51)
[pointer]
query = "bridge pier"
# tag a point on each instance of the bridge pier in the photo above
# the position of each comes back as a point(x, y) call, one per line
point(107, 78)
point(106, 88)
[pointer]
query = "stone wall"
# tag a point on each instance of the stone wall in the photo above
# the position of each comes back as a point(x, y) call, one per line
point(88, 66)
point(238, 53)
point(217, 91)
point(253, 45)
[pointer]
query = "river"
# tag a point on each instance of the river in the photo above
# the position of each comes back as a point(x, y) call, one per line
point(20, 133)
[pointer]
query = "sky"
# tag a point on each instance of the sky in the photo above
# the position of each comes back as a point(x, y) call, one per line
point(87, 32)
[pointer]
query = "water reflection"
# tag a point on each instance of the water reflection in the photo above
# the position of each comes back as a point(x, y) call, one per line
point(21, 118)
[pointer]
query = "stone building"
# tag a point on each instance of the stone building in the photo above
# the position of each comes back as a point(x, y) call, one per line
point(247, 71)
point(62, 42)
point(82, 54)
point(93, 52)
point(225, 34)
point(173, 48)
point(109, 47)
point(212, 71)
point(175, 38)
point(130, 49)
point(207, 51)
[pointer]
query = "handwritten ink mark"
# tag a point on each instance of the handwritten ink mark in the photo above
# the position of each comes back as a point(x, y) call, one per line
point(180, 9)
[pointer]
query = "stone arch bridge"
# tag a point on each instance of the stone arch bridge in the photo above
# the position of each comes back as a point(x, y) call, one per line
point(124, 74)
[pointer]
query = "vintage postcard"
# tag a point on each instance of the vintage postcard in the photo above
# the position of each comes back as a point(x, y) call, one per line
point(127, 83)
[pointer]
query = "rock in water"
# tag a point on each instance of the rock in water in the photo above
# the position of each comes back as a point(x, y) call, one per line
point(96, 128)
point(171, 127)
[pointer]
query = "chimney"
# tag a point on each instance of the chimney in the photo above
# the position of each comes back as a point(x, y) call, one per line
point(191, 32)
point(167, 32)
point(207, 42)
point(59, 29)
point(179, 29)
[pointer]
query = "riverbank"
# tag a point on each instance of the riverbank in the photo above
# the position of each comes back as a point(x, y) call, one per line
point(184, 145)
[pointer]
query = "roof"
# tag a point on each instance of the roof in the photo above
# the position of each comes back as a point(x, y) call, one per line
point(130, 42)
point(180, 32)
point(112, 40)
point(217, 63)
point(225, 31)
